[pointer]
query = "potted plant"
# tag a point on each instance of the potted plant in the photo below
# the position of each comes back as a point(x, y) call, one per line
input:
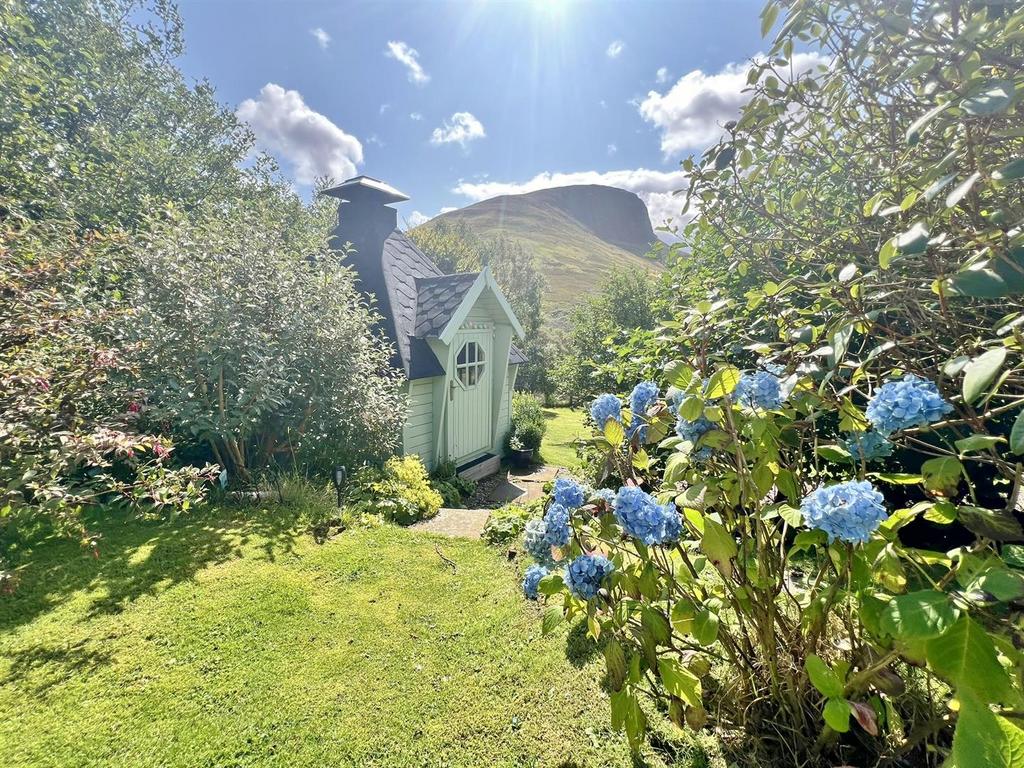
point(518, 454)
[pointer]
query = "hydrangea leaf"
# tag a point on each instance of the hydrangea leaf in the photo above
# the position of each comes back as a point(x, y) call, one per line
point(980, 372)
point(551, 621)
point(983, 739)
point(683, 614)
point(823, 678)
point(942, 474)
point(692, 408)
point(723, 382)
point(718, 544)
point(999, 526)
point(679, 681)
point(837, 715)
point(656, 625)
point(918, 615)
point(965, 656)
point(973, 443)
point(1000, 582)
point(705, 626)
point(615, 659)
point(614, 433)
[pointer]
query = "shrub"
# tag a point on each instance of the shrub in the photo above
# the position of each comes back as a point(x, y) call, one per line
point(399, 492)
point(507, 523)
point(528, 423)
point(855, 272)
point(254, 344)
point(453, 489)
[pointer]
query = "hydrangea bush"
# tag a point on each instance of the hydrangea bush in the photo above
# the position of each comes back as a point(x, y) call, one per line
point(814, 544)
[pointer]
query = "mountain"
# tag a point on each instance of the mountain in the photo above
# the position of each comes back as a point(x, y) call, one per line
point(579, 234)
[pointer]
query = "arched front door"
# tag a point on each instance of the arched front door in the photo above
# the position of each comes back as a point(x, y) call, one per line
point(469, 405)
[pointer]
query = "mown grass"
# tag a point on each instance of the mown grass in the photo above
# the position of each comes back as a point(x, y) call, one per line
point(232, 639)
point(565, 425)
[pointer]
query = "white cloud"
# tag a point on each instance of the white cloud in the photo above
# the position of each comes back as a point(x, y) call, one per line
point(402, 53)
point(384, 107)
point(603, 103)
point(415, 116)
point(615, 48)
point(612, 149)
point(285, 125)
point(416, 218)
point(691, 113)
point(322, 38)
point(448, 209)
point(655, 188)
point(461, 128)
point(661, 75)
point(375, 139)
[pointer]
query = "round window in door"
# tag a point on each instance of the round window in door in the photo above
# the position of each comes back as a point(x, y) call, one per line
point(469, 364)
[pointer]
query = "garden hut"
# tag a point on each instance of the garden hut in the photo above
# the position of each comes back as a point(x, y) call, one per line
point(452, 334)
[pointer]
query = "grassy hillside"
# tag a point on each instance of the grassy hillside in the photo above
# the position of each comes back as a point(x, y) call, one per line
point(578, 234)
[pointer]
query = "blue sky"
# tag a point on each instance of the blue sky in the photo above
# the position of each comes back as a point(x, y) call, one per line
point(455, 101)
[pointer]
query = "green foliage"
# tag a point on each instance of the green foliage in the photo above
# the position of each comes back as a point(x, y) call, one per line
point(504, 525)
point(593, 354)
point(453, 489)
point(254, 344)
point(399, 492)
point(145, 260)
point(856, 225)
point(528, 423)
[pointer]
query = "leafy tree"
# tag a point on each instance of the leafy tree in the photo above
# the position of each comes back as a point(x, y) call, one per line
point(99, 135)
point(453, 247)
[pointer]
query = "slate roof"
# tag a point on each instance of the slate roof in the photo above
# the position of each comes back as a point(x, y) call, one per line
point(516, 356)
point(420, 302)
point(402, 264)
point(437, 298)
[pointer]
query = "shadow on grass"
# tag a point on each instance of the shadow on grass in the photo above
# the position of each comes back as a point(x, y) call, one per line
point(140, 557)
point(59, 663)
point(580, 649)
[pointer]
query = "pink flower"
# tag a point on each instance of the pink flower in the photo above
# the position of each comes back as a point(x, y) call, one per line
point(134, 407)
point(161, 450)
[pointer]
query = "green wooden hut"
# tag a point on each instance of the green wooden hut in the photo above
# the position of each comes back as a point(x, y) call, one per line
point(453, 334)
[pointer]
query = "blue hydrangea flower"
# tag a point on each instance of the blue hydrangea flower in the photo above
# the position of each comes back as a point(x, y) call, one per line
point(533, 576)
point(643, 396)
point(775, 369)
point(607, 495)
point(674, 398)
point(911, 402)
point(759, 390)
point(585, 574)
point(868, 446)
point(849, 511)
point(568, 493)
point(605, 407)
point(535, 541)
point(643, 518)
point(557, 521)
point(692, 431)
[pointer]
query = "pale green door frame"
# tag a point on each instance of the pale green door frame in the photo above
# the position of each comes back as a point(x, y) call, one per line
point(469, 398)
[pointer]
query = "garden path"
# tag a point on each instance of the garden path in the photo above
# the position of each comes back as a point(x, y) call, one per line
point(516, 485)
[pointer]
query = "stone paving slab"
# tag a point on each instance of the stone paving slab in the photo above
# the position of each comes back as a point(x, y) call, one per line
point(462, 523)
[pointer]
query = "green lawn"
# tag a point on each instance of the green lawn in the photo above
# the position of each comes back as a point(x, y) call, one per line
point(564, 426)
point(225, 640)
